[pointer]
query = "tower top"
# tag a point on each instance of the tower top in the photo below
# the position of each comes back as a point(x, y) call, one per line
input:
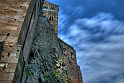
point(50, 11)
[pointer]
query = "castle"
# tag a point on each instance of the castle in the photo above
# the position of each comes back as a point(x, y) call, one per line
point(30, 50)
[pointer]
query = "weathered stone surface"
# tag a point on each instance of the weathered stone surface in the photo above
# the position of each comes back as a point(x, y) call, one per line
point(30, 51)
point(50, 11)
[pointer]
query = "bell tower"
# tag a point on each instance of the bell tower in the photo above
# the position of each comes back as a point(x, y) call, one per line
point(50, 11)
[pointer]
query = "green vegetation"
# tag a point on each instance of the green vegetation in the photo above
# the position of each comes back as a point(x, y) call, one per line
point(47, 77)
point(57, 73)
point(29, 72)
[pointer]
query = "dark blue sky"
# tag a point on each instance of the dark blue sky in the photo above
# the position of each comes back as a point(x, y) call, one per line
point(95, 28)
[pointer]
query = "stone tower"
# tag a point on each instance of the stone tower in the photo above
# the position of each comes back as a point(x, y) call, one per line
point(50, 11)
point(30, 51)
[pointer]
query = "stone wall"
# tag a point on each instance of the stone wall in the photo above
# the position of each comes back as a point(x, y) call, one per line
point(30, 51)
point(51, 60)
point(50, 11)
point(26, 37)
point(12, 14)
point(73, 70)
point(44, 56)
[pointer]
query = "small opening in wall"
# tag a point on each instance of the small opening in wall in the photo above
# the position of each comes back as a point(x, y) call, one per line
point(15, 19)
point(72, 55)
point(8, 54)
point(52, 9)
point(46, 69)
point(31, 55)
point(39, 79)
point(2, 56)
point(42, 72)
point(50, 18)
point(45, 8)
point(10, 46)
point(58, 81)
point(8, 34)
point(1, 47)
point(20, 6)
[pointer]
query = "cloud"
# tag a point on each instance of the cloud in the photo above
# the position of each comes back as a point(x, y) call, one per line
point(95, 28)
point(99, 42)
point(91, 7)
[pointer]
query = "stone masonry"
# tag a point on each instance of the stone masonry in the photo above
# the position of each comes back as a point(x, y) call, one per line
point(50, 11)
point(30, 51)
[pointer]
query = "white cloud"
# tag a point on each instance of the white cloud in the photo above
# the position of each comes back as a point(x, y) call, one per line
point(101, 61)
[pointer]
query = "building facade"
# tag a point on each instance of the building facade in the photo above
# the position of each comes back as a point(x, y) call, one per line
point(50, 11)
point(30, 51)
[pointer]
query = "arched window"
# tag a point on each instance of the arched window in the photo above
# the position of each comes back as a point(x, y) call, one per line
point(64, 51)
point(45, 8)
point(72, 56)
point(52, 9)
point(51, 18)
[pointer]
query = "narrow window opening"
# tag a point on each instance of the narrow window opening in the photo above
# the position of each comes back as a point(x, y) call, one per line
point(64, 51)
point(72, 55)
point(8, 34)
point(58, 81)
point(31, 55)
point(45, 8)
point(8, 54)
point(10, 46)
point(39, 79)
point(50, 18)
point(1, 47)
point(52, 9)
point(1, 44)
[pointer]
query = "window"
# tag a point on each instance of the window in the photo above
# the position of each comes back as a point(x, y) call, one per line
point(2, 42)
point(64, 51)
point(51, 18)
point(72, 56)
point(45, 8)
point(1, 47)
point(52, 9)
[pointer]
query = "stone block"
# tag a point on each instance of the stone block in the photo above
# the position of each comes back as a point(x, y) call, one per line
point(9, 59)
point(12, 39)
point(7, 76)
point(5, 81)
point(2, 38)
point(11, 67)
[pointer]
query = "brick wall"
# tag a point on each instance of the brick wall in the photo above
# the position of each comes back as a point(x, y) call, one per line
point(12, 14)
